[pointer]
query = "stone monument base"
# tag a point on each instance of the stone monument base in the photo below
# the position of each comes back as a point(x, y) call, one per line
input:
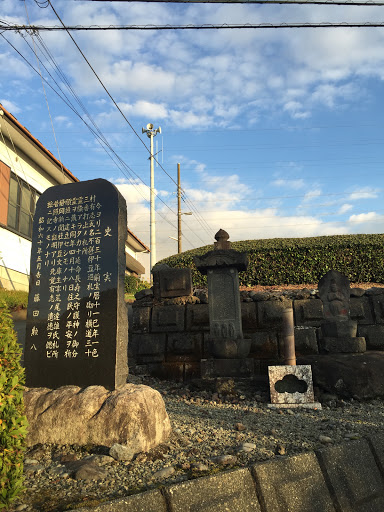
point(291, 387)
point(238, 368)
point(344, 345)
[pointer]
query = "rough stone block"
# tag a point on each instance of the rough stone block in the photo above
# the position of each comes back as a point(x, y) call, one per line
point(264, 345)
point(248, 316)
point(377, 445)
point(168, 318)
point(354, 476)
point(308, 312)
point(240, 368)
point(378, 308)
point(140, 319)
point(342, 345)
point(150, 501)
point(374, 336)
point(306, 340)
point(197, 317)
point(270, 313)
point(339, 329)
point(294, 483)
point(185, 343)
point(172, 282)
point(233, 491)
point(148, 348)
point(361, 310)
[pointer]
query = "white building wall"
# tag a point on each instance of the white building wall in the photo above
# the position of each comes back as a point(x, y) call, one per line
point(15, 250)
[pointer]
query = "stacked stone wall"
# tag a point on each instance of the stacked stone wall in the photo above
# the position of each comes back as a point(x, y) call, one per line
point(168, 338)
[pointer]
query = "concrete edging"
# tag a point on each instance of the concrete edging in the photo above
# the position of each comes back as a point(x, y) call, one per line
point(337, 478)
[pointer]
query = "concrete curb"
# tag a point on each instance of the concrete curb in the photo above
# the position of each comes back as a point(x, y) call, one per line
point(347, 477)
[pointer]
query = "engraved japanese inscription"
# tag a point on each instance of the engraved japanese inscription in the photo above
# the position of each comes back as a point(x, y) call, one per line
point(76, 324)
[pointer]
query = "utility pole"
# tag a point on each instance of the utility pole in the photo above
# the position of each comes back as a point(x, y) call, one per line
point(178, 211)
point(151, 132)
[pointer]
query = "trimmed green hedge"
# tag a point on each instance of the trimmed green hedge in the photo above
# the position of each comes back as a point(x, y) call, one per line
point(13, 423)
point(300, 260)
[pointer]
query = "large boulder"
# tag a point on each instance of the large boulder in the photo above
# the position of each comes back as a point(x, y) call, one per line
point(132, 415)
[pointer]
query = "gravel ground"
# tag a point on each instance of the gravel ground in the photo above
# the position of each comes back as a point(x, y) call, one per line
point(212, 431)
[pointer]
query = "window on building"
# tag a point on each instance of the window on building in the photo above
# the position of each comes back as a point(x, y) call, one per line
point(21, 205)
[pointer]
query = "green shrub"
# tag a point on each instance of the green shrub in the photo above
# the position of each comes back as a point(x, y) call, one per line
point(134, 284)
point(14, 299)
point(300, 260)
point(13, 423)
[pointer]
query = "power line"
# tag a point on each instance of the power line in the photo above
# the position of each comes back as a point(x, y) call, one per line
point(4, 26)
point(280, 2)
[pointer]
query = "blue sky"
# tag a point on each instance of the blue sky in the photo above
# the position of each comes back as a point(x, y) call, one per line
point(278, 131)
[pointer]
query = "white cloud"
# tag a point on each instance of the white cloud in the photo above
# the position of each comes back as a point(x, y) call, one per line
point(295, 184)
point(10, 106)
point(362, 217)
point(345, 208)
point(364, 193)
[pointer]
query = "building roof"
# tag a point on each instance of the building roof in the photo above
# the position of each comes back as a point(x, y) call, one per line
point(136, 243)
point(18, 133)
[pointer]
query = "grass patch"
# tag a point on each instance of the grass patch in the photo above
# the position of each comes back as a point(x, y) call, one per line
point(14, 299)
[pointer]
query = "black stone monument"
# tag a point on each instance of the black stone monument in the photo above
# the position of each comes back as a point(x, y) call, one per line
point(77, 324)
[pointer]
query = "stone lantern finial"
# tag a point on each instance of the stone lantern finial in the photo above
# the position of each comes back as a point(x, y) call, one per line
point(222, 240)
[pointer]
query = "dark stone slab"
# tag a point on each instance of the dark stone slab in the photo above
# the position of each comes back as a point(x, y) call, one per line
point(308, 312)
point(77, 326)
point(141, 319)
point(374, 336)
point(348, 375)
point(342, 345)
point(197, 317)
point(361, 310)
point(240, 368)
point(294, 483)
point(354, 477)
point(185, 343)
point(232, 491)
point(168, 318)
point(171, 282)
point(305, 340)
point(148, 348)
point(150, 501)
point(224, 303)
point(264, 345)
point(249, 316)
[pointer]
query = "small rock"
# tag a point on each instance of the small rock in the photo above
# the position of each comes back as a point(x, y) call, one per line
point(198, 466)
point(325, 439)
point(280, 449)
point(141, 457)
point(31, 461)
point(289, 412)
point(240, 427)
point(225, 460)
point(33, 468)
point(90, 472)
point(121, 452)
point(163, 473)
point(102, 459)
point(67, 457)
point(246, 447)
point(353, 436)
point(19, 508)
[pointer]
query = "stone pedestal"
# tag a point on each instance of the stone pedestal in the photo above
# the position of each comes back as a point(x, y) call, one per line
point(291, 387)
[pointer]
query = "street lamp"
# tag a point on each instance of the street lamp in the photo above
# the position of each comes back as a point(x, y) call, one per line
point(151, 132)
